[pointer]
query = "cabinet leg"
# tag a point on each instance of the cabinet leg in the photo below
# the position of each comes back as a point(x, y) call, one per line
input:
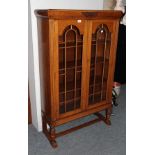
point(108, 114)
point(53, 137)
point(50, 133)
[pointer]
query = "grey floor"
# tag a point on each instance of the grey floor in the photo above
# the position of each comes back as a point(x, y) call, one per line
point(97, 139)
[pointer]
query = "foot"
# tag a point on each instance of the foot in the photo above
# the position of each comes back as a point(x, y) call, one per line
point(54, 143)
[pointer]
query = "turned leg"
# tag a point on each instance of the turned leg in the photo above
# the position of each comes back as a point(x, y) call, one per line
point(108, 114)
point(53, 137)
point(49, 132)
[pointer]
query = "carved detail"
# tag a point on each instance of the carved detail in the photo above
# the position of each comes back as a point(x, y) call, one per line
point(89, 14)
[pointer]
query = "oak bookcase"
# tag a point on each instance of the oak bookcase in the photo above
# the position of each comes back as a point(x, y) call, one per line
point(77, 50)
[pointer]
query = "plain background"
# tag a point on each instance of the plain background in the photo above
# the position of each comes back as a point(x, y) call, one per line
point(140, 77)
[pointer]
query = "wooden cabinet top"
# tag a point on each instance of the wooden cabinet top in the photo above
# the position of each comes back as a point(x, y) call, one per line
point(78, 14)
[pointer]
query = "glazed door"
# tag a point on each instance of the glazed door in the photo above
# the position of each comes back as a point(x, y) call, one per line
point(100, 65)
point(71, 66)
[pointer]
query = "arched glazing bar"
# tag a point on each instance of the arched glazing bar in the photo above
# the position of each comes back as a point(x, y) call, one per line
point(100, 39)
point(66, 37)
point(72, 41)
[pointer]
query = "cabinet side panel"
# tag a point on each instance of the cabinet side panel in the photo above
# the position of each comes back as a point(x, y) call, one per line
point(113, 50)
point(44, 65)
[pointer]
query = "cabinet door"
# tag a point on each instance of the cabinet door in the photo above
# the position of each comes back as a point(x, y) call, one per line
point(101, 64)
point(71, 66)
